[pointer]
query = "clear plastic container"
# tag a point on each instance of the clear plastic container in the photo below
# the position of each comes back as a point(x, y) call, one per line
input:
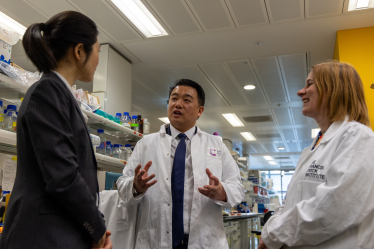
point(108, 150)
point(128, 152)
point(121, 152)
point(5, 113)
point(126, 122)
point(101, 149)
point(134, 123)
point(10, 120)
point(116, 151)
point(1, 114)
point(146, 126)
point(119, 115)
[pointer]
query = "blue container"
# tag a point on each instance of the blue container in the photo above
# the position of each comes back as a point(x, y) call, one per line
point(110, 179)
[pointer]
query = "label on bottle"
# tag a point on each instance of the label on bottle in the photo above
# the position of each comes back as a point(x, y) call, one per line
point(1, 119)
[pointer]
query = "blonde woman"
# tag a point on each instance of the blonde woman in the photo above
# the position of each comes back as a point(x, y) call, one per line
point(330, 200)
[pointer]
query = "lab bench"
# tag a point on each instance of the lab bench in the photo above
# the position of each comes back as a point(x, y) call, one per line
point(238, 230)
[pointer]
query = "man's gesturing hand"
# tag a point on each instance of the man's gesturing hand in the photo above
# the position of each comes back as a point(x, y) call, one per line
point(214, 190)
point(141, 178)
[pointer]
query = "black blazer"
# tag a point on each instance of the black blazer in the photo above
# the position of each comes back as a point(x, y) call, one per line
point(53, 202)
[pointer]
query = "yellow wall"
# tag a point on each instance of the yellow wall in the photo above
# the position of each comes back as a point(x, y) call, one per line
point(356, 47)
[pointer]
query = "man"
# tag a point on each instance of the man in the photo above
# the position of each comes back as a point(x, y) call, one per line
point(195, 175)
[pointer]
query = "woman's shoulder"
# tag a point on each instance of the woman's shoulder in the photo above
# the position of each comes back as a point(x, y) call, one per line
point(49, 84)
point(354, 128)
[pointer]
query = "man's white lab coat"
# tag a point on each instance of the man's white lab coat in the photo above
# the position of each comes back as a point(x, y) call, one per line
point(330, 200)
point(119, 219)
point(154, 219)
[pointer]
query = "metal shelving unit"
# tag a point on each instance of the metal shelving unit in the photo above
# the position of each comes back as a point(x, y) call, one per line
point(112, 128)
point(10, 90)
point(8, 141)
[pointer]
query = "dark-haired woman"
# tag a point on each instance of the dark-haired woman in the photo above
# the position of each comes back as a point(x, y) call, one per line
point(54, 199)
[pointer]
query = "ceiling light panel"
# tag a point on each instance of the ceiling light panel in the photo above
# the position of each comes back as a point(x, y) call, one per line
point(248, 136)
point(140, 16)
point(249, 87)
point(272, 163)
point(9, 24)
point(233, 119)
point(362, 4)
point(268, 158)
point(165, 120)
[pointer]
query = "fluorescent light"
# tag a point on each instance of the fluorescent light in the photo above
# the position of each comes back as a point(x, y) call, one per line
point(242, 159)
point(281, 148)
point(9, 24)
point(165, 120)
point(248, 136)
point(272, 162)
point(249, 87)
point(233, 119)
point(315, 132)
point(140, 16)
point(362, 4)
point(268, 158)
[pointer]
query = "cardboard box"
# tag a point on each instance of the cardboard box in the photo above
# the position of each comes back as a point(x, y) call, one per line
point(92, 99)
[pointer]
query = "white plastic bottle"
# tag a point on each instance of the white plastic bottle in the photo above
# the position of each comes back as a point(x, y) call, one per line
point(146, 126)
point(108, 150)
point(116, 151)
point(102, 147)
point(126, 120)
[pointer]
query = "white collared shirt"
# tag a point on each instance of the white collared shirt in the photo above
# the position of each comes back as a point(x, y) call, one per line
point(72, 92)
point(188, 176)
point(66, 83)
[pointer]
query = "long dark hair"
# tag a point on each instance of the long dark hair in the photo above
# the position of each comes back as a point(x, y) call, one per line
point(47, 43)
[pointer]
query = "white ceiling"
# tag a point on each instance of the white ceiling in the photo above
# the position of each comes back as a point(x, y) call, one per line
point(216, 43)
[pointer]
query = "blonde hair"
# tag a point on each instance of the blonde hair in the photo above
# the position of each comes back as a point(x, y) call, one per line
point(341, 87)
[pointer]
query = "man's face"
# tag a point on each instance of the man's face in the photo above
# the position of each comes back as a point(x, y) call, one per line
point(184, 108)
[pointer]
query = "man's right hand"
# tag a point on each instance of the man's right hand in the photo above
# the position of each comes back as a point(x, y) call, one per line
point(141, 178)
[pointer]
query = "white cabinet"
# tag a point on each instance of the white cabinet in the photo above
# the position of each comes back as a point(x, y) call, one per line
point(112, 81)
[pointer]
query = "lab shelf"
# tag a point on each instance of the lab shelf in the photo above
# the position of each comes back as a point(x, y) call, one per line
point(241, 165)
point(8, 141)
point(10, 89)
point(112, 128)
point(269, 190)
point(106, 160)
point(258, 196)
point(8, 145)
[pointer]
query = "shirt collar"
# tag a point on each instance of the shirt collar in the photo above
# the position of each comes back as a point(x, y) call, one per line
point(190, 133)
point(66, 83)
point(333, 129)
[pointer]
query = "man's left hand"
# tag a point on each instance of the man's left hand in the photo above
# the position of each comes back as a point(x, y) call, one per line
point(214, 190)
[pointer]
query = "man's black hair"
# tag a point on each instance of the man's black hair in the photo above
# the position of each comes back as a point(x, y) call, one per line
point(193, 84)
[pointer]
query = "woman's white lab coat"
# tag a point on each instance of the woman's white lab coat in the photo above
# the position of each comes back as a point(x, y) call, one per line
point(154, 219)
point(330, 200)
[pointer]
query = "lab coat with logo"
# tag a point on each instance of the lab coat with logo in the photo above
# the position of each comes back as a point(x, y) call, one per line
point(330, 199)
point(154, 219)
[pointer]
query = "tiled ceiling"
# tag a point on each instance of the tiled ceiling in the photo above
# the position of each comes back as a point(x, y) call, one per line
point(223, 45)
